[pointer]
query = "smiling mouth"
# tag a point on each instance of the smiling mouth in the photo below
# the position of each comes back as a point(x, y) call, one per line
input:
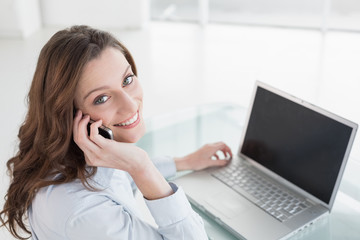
point(132, 122)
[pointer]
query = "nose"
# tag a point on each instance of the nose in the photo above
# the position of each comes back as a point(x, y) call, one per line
point(126, 104)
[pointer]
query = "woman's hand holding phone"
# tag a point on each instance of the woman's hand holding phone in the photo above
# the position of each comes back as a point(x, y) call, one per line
point(102, 152)
point(103, 131)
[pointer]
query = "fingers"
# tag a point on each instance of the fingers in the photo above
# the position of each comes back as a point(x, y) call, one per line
point(78, 127)
point(222, 155)
point(220, 162)
point(94, 146)
point(217, 161)
point(81, 138)
point(76, 123)
point(215, 157)
point(223, 148)
point(95, 136)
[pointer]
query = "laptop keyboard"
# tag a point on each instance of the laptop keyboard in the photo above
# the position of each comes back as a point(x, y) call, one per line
point(276, 201)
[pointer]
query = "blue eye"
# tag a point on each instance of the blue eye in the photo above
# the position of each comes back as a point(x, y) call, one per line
point(128, 80)
point(101, 99)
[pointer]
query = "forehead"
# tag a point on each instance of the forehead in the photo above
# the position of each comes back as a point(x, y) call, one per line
point(110, 64)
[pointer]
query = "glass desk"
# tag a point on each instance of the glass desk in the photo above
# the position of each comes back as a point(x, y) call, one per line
point(182, 132)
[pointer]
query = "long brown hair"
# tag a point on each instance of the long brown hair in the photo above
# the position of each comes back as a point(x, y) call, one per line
point(46, 147)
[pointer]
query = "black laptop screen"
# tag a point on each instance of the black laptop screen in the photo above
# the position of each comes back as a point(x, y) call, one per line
point(297, 143)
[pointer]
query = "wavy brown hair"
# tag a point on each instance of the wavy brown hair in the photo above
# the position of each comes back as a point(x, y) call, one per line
point(46, 147)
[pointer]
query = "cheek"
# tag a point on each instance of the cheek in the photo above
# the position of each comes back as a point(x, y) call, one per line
point(77, 104)
point(138, 92)
point(105, 114)
point(106, 117)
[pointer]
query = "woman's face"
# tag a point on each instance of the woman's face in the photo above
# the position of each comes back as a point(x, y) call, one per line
point(109, 90)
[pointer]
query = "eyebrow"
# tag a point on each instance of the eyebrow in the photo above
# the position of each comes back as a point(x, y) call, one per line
point(105, 87)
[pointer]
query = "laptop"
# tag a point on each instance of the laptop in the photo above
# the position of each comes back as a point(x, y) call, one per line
point(286, 173)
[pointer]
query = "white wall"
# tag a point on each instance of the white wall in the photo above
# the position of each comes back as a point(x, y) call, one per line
point(103, 14)
point(19, 18)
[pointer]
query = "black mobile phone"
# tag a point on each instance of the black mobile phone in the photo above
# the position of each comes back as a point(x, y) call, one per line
point(103, 131)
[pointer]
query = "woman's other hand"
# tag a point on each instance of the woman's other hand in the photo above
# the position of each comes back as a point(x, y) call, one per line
point(206, 156)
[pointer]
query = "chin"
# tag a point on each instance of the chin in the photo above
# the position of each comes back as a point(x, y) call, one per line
point(131, 137)
point(128, 139)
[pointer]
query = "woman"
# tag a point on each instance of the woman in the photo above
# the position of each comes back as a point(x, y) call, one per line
point(73, 185)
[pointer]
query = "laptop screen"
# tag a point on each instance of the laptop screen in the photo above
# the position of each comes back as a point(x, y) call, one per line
point(301, 145)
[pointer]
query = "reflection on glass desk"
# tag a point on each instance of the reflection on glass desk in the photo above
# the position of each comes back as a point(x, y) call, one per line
point(182, 132)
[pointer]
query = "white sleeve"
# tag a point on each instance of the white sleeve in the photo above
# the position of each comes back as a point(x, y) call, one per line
point(181, 222)
point(102, 218)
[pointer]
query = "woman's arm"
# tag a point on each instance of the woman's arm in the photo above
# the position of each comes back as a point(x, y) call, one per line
point(204, 157)
point(150, 182)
